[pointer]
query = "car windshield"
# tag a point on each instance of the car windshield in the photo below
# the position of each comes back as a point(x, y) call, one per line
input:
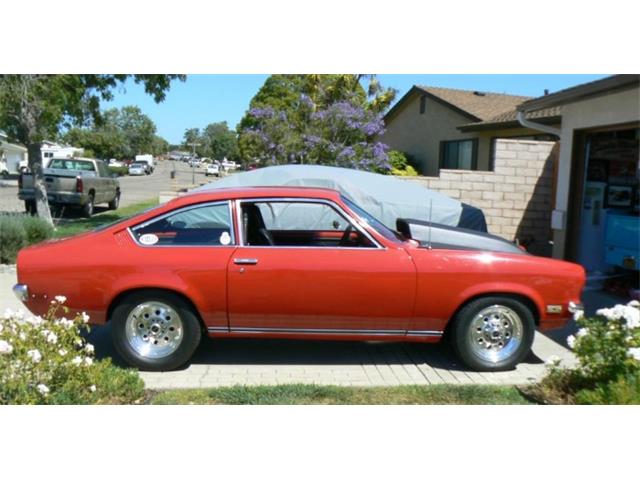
point(372, 221)
point(138, 164)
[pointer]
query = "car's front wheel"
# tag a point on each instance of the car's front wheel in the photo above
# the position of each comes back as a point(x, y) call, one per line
point(493, 333)
point(155, 330)
point(113, 204)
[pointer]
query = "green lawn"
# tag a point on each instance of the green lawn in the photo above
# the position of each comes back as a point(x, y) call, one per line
point(73, 226)
point(301, 394)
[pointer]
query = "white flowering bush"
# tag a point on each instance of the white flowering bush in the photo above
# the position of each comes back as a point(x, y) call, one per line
point(607, 347)
point(46, 360)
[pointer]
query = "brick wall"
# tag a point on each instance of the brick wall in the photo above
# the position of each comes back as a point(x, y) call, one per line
point(515, 197)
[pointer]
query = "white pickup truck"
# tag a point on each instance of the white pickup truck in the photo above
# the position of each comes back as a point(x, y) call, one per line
point(80, 182)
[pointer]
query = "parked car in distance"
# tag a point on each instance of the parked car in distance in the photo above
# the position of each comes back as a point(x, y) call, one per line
point(73, 182)
point(212, 169)
point(149, 160)
point(115, 163)
point(292, 262)
point(229, 164)
point(139, 168)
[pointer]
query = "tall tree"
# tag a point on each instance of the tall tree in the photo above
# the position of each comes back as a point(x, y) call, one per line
point(35, 107)
point(219, 142)
point(328, 119)
point(122, 133)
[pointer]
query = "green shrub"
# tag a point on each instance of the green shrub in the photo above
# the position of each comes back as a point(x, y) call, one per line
point(608, 351)
point(47, 361)
point(623, 391)
point(36, 229)
point(12, 237)
point(18, 231)
point(400, 164)
point(121, 171)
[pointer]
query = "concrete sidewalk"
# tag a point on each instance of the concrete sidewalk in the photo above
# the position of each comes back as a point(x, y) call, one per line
point(228, 362)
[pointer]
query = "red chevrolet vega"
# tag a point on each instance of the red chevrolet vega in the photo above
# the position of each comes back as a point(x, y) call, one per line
point(298, 263)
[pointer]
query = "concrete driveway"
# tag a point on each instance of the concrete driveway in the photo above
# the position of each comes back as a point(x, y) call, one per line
point(223, 362)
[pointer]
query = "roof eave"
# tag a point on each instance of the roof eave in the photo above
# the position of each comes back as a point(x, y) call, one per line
point(580, 92)
point(481, 127)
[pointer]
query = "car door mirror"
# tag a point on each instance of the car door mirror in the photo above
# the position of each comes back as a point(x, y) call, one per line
point(336, 224)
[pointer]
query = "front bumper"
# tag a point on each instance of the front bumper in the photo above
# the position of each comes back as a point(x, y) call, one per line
point(21, 291)
point(558, 315)
point(576, 309)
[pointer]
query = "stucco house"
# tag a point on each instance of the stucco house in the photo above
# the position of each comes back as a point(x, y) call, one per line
point(444, 128)
point(11, 154)
point(560, 173)
point(595, 213)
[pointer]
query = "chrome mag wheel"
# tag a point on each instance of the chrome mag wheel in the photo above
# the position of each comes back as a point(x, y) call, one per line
point(495, 333)
point(154, 330)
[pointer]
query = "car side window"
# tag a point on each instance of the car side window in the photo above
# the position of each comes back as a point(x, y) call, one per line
point(298, 224)
point(103, 170)
point(206, 225)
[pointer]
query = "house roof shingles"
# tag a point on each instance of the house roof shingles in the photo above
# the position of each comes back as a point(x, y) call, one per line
point(481, 105)
point(477, 106)
point(509, 119)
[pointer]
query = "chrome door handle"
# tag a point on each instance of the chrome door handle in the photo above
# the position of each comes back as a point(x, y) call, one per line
point(245, 261)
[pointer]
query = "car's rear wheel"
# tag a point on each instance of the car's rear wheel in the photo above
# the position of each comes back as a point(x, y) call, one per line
point(493, 333)
point(155, 330)
point(87, 208)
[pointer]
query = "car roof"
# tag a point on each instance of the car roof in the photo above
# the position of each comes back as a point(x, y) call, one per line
point(256, 192)
point(224, 194)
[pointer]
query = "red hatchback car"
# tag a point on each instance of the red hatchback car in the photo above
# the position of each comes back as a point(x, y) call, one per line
point(300, 263)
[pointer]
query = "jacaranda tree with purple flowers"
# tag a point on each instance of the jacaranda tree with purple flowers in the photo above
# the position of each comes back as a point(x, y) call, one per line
point(329, 121)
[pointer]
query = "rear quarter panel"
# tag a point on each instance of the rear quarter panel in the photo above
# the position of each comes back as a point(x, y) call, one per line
point(91, 270)
point(449, 278)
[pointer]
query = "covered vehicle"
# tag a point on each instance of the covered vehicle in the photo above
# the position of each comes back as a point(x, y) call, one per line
point(385, 197)
point(291, 262)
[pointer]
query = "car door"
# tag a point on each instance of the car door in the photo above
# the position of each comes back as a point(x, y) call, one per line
point(105, 184)
point(312, 269)
point(188, 250)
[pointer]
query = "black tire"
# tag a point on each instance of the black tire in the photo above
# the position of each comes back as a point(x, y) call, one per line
point(56, 211)
point(113, 204)
point(87, 208)
point(30, 207)
point(190, 338)
point(472, 330)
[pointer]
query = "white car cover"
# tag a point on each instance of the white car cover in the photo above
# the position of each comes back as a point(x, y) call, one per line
point(385, 197)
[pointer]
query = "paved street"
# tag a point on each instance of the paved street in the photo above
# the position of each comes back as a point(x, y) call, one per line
point(267, 362)
point(134, 189)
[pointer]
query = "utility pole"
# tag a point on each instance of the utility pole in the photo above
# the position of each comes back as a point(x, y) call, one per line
point(193, 168)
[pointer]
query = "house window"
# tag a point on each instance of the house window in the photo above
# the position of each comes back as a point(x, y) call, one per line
point(423, 104)
point(459, 154)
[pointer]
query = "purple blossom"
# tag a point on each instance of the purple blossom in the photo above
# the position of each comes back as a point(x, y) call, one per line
point(259, 113)
point(346, 153)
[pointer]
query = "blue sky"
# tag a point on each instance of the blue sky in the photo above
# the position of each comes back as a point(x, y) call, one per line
point(203, 99)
